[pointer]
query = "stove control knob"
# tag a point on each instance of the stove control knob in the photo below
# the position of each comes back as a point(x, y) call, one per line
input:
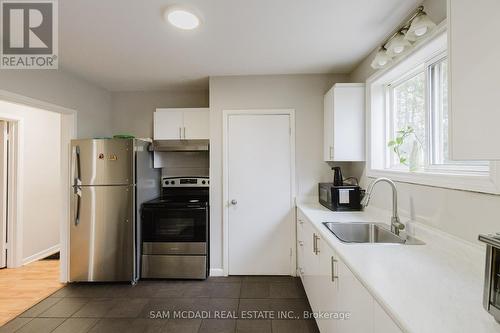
point(203, 182)
point(166, 182)
point(172, 182)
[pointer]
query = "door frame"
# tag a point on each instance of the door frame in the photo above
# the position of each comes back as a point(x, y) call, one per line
point(225, 180)
point(15, 221)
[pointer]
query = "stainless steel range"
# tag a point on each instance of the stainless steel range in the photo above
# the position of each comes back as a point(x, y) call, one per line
point(175, 230)
point(491, 293)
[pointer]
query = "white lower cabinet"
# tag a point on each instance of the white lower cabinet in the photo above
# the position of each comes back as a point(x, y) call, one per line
point(333, 290)
point(310, 265)
point(328, 283)
point(355, 300)
point(382, 323)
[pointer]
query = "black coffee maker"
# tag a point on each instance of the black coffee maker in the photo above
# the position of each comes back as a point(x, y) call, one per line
point(340, 196)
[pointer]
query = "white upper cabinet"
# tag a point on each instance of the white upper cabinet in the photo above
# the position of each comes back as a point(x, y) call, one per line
point(181, 124)
point(474, 83)
point(344, 123)
point(196, 124)
point(168, 124)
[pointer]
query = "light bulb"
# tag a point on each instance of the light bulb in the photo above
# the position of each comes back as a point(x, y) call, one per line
point(420, 31)
point(398, 49)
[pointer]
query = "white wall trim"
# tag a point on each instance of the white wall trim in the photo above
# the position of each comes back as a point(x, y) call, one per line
point(217, 272)
point(225, 177)
point(15, 190)
point(28, 101)
point(68, 132)
point(42, 254)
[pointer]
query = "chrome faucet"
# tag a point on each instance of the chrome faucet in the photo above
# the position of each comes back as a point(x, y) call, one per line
point(396, 225)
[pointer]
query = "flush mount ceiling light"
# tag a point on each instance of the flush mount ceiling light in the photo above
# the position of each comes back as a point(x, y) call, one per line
point(418, 26)
point(397, 45)
point(382, 59)
point(181, 18)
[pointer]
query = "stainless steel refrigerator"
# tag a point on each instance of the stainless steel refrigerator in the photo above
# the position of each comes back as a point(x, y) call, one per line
point(111, 179)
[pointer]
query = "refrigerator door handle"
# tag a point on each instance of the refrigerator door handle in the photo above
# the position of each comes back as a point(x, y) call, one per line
point(77, 181)
point(78, 193)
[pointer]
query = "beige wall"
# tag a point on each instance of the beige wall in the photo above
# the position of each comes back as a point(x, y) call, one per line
point(132, 112)
point(92, 103)
point(41, 188)
point(460, 213)
point(304, 93)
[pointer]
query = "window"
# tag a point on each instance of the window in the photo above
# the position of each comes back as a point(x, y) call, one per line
point(408, 124)
point(417, 116)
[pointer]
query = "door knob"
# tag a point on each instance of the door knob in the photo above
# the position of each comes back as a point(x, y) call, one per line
point(234, 202)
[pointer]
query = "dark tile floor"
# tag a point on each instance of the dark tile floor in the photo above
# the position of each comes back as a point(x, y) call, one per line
point(233, 304)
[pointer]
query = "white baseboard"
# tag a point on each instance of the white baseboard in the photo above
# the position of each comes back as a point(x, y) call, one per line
point(42, 254)
point(216, 272)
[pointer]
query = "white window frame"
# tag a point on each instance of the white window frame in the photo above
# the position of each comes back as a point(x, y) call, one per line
point(389, 114)
point(377, 128)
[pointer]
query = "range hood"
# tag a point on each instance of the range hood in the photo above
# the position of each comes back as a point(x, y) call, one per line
point(180, 145)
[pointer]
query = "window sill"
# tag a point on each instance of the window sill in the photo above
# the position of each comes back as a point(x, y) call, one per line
point(464, 182)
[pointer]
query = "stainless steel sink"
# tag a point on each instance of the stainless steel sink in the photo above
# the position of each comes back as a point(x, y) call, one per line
point(362, 232)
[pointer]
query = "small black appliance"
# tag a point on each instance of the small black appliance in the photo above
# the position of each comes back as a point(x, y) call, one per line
point(339, 195)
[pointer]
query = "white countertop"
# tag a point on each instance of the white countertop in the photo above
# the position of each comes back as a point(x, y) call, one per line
point(436, 287)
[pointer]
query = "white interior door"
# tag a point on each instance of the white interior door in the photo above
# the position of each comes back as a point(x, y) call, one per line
point(259, 192)
point(3, 192)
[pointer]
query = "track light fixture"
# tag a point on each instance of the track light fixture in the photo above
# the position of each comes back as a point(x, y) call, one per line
point(418, 26)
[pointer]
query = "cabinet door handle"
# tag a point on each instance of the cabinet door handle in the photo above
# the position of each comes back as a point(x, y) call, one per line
point(331, 152)
point(184, 132)
point(300, 221)
point(317, 247)
point(301, 243)
point(334, 274)
point(314, 243)
point(180, 133)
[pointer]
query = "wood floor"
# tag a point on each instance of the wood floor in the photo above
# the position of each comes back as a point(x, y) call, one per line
point(21, 288)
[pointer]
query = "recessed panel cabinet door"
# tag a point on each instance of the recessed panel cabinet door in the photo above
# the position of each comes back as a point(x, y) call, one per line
point(474, 55)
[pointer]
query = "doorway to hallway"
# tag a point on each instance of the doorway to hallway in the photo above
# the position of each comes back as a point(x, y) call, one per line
point(4, 201)
point(23, 287)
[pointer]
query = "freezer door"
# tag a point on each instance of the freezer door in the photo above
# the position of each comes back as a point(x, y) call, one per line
point(101, 233)
point(102, 162)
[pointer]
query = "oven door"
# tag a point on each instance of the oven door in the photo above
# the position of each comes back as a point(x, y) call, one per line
point(174, 225)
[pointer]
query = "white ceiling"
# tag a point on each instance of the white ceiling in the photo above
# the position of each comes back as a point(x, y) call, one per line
point(124, 45)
